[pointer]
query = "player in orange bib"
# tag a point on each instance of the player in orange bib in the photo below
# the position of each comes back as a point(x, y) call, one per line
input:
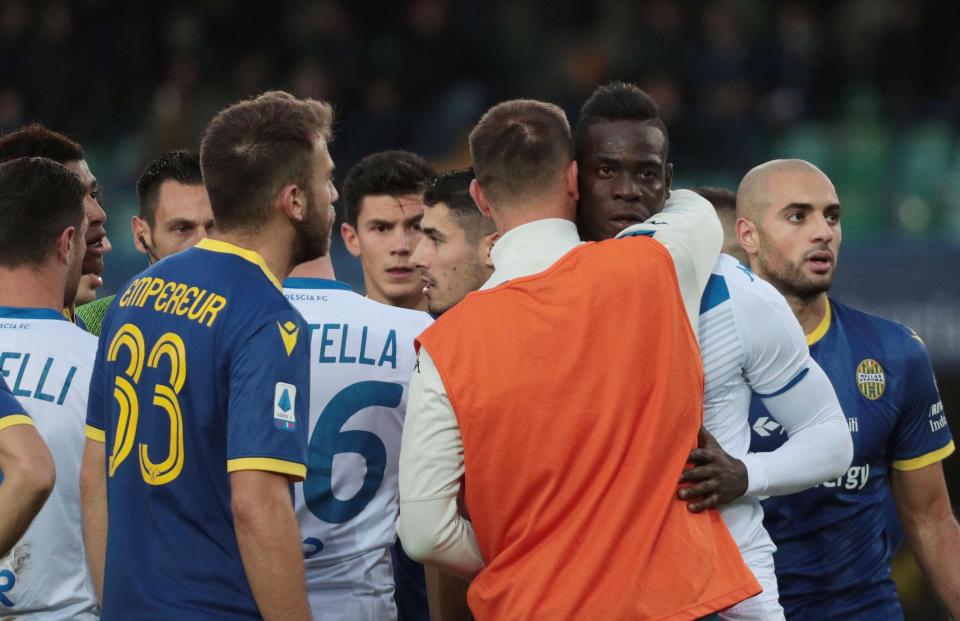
point(567, 434)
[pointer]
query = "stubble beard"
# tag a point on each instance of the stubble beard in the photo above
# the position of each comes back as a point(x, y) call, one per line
point(789, 279)
point(312, 238)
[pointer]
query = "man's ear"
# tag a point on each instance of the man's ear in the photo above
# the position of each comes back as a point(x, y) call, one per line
point(570, 177)
point(350, 239)
point(65, 244)
point(140, 229)
point(476, 192)
point(486, 245)
point(668, 179)
point(292, 201)
point(748, 236)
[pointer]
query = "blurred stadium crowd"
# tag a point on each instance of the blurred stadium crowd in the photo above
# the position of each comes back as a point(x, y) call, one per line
point(868, 89)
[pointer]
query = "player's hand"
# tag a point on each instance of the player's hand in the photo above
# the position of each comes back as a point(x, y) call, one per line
point(715, 479)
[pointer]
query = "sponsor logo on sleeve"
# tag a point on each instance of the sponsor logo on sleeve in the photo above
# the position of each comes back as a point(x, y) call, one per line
point(288, 333)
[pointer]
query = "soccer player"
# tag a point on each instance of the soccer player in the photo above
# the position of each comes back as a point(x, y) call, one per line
point(453, 255)
point(175, 210)
point(174, 215)
point(565, 441)
point(35, 140)
point(833, 556)
point(725, 202)
point(197, 419)
point(454, 259)
point(46, 361)
point(748, 338)
point(27, 475)
point(382, 206)
point(362, 357)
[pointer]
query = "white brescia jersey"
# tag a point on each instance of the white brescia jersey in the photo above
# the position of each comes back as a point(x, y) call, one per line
point(751, 342)
point(46, 361)
point(362, 357)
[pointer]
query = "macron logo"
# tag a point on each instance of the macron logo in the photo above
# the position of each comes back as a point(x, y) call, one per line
point(766, 427)
point(288, 333)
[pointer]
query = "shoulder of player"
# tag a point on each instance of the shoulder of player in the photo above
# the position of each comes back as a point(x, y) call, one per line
point(71, 342)
point(886, 328)
point(887, 331)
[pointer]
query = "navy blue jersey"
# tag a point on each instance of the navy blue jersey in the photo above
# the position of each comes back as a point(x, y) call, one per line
point(834, 541)
point(202, 370)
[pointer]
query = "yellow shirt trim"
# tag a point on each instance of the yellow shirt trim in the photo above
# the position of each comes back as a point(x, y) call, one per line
point(14, 420)
point(925, 460)
point(97, 435)
point(269, 465)
point(214, 245)
point(821, 329)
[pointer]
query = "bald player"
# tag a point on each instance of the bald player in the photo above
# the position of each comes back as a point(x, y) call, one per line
point(833, 556)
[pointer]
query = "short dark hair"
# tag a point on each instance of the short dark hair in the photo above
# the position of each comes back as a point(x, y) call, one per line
point(519, 148)
point(618, 101)
point(389, 173)
point(255, 147)
point(35, 140)
point(720, 198)
point(453, 190)
point(39, 198)
point(181, 166)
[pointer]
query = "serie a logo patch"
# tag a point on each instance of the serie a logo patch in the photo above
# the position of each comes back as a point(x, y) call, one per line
point(284, 398)
point(870, 379)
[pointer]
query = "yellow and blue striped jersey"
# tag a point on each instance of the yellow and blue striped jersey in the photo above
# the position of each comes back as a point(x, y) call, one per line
point(833, 552)
point(202, 370)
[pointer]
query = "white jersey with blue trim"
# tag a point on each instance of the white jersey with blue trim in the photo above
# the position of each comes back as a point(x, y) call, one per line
point(750, 341)
point(362, 358)
point(46, 361)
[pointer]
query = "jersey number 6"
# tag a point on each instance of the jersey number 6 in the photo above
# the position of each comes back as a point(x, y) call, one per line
point(165, 396)
point(327, 440)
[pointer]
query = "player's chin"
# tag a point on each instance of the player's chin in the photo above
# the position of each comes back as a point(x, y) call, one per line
point(92, 264)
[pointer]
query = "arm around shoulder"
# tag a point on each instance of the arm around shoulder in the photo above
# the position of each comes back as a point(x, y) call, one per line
point(688, 227)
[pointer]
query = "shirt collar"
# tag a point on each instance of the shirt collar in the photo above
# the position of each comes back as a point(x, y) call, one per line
point(821, 330)
point(214, 245)
point(530, 249)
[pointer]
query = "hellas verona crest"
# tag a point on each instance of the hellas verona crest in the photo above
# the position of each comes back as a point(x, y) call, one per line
point(871, 379)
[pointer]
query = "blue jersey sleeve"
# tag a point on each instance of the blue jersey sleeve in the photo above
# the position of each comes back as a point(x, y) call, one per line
point(268, 414)
point(921, 436)
point(95, 427)
point(11, 412)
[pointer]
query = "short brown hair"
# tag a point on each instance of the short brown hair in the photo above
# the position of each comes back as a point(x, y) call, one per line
point(519, 148)
point(39, 198)
point(720, 198)
point(35, 140)
point(255, 147)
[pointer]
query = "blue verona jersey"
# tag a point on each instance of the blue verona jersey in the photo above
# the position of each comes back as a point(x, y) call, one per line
point(834, 551)
point(362, 357)
point(202, 370)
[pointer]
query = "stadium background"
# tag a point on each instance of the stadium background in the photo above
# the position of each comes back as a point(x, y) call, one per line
point(869, 90)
